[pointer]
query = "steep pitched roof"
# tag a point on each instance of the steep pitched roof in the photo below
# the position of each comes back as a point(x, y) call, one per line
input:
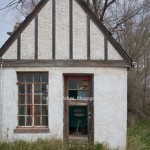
point(85, 7)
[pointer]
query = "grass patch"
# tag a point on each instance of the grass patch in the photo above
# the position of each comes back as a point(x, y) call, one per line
point(138, 139)
point(49, 145)
point(139, 135)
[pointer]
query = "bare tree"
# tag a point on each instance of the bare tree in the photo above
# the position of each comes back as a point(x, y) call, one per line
point(22, 6)
point(26, 6)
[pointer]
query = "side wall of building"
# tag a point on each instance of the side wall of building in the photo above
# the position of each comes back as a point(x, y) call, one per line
point(110, 104)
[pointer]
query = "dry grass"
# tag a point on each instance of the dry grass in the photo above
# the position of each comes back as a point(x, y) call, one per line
point(138, 139)
point(49, 145)
point(139, 135)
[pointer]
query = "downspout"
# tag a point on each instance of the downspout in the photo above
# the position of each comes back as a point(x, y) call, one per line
point(1, 94)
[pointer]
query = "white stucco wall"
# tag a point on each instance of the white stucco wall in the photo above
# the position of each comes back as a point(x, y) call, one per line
point(45, 32)
point(12, 52)
point(28, 42)
point(110, 104)
point(112, 53)
point(79, 32)
point(97, 42)
point(62, 29)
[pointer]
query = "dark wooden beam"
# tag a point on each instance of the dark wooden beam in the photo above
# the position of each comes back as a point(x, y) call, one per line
point(36, 37)
point(65, 63)
point(19, 48)
point(105, 49)
point(71, 28)
point(53, 28)
point(88, 38)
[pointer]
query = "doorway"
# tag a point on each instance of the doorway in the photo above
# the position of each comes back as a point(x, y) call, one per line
point(78, 120)
point(78, 108)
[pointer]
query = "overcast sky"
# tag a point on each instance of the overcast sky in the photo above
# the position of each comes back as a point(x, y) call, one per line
point(7, 21)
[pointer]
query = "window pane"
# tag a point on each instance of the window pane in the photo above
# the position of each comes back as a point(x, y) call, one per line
point(37, 121)
point(29, 88)
point(29, 77)
point(73, 94)
point(37, 77)
point(29, 99)
point(44, 77)
point(83, 85)
point(37, 110)
point(37, 88)
point(83, 93)
point(21, 99)
point(44, 110)
point(44, 88)
point(21, 110)
point(21, 88)
point(21, 120)
point(28, 110)
point(21, 77)
point(28, 121)
point(37, 99)
point(72, 84)
point(44, 120)
point(44, 99)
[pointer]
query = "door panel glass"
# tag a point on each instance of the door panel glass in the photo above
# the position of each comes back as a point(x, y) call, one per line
point(73, 94)
point(72, 84)
point(83, 93)
point(83, 85)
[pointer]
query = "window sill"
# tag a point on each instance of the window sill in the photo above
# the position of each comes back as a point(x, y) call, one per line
point(31, 130)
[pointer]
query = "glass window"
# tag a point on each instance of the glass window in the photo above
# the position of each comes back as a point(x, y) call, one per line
point(78, 87)
point(72, 84)
point(32, 99)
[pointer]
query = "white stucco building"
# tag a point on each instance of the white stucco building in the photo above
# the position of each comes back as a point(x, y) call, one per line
point(63, 75)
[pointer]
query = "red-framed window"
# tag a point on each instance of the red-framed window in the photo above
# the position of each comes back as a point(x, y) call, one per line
point(32, 99)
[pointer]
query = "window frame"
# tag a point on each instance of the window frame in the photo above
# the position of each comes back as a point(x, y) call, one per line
point(79, 77)
point(32, 94)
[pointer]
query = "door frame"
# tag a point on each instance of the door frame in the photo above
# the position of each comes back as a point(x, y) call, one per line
point(68, 103)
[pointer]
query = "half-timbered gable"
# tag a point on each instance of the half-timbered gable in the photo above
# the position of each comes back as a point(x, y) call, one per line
point(63, 30)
